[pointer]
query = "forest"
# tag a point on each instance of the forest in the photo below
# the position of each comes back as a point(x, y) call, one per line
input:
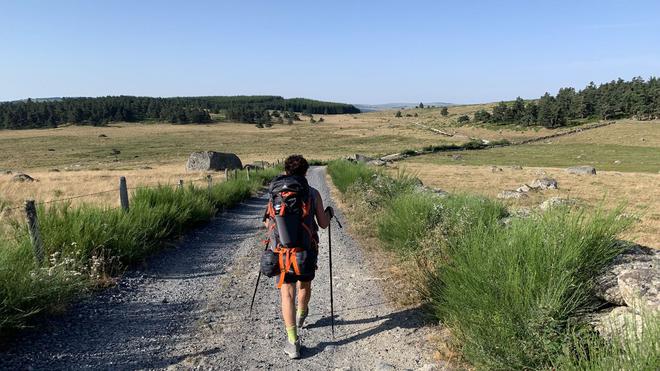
point(51, 113)
point(637, 98)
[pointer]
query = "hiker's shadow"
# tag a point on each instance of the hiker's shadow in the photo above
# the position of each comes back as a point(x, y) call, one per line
point(407, 318)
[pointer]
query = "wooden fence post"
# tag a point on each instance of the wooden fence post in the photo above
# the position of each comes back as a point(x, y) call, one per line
point(248, 173)
point(123, 193)
point(226, 174)
point(209, 180)
point(235, 174)
point(33, 228)
point(180, 185)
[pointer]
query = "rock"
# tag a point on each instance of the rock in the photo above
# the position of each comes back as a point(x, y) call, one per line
point(209, 160)
point(116, 152)
point(253, 166)
point(22, 178)
point(54, 170)
point(523, 188)
point(632, 279)
point(556, 201)
point(495, 169)
point(383, 366)
point(617, 162)
point(377, 162)
point(359, 158)
point(393, 157)
point(544, 183)
point(618, 321)
point(516, 167)
point(103, 136)
point(582, 170)
point(456, 157)
point(7, 172)
point(511, 195)
point(145, 168)
point(51, 149)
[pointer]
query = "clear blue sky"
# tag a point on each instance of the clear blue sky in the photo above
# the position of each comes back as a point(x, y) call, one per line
point(349, 51)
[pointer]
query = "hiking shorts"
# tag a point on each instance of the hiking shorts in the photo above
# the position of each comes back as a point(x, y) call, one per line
point(310, 269)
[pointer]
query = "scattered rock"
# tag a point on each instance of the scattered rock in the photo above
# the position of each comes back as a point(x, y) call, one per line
point(116, 152)
point(54, 170)
point(253, 166)
point(377, 163)
point(617, 162)
point(544, 183)
point(209, 160)
point(582, 170)
point(22, 178)
point(51, 149)
point(359, 158)
point(516, 167)
point(556, 201)
point(145, 168)
point(511, 195)
point(523, 188)
point(103, 136)
point(617, 321)
point(393, 157)
point(456, 157)
point(7, 172)
point(495, 169)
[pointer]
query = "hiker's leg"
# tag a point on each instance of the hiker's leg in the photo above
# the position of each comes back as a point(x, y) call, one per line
point(304, 294)
point(288, 292)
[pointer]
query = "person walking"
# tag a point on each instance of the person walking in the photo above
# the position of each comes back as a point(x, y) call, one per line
point(294, 214)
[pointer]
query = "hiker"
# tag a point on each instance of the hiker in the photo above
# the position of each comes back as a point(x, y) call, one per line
point(294, 214)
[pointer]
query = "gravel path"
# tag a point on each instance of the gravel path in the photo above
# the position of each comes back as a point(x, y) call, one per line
point(188, 309)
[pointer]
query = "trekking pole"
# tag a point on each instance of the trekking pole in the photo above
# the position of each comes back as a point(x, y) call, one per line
point(256, 286)
point(332, 302)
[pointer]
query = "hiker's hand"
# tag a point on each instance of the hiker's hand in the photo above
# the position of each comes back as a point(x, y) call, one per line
point(330, 211)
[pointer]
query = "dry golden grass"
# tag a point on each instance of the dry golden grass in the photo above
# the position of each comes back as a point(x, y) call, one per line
point(639, 191)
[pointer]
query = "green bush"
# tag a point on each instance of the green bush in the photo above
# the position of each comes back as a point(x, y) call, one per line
point(510, 293)
point(344, 173)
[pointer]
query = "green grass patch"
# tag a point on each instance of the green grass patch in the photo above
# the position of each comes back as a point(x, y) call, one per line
point(86, 245)
point(601, 156)
point(344, 173)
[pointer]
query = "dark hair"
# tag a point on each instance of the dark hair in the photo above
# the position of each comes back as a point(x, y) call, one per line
point(295, 165)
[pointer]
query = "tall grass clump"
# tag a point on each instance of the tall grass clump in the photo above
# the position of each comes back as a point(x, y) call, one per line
point(345, 173)
point(510, 294)
point(87, 244)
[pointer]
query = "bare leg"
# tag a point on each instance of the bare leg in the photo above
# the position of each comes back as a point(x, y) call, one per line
point(304, 295)
point(287, 292)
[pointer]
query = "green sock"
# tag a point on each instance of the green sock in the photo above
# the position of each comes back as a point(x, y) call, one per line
point(301, 312)
point(292, 334)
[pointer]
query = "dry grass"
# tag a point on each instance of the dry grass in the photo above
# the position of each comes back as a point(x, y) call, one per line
point(639, 191)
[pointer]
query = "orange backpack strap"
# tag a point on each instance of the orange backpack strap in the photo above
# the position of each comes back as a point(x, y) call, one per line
point(287, 259)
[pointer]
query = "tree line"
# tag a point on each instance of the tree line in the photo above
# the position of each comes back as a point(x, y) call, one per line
point(637, 98)
point(180, 110)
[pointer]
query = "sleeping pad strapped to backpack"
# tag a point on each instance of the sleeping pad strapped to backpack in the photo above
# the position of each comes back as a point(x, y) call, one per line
point(292, 232)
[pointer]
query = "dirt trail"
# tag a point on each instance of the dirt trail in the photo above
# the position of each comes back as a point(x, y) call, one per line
point(188, 308)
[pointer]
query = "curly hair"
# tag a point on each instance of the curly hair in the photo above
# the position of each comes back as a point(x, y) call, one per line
point(295, 165)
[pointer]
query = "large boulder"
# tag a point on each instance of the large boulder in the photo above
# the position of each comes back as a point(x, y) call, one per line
point(582, 170)
point(359, 158)
point(209, 160)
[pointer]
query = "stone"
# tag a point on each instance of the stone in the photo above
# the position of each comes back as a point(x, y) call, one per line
point(253, 166)
point(617, 162)
point(54, 170)
point(618, 321)
point(22, 178)
point(51, 149)
point(544, 183)
point(103, 136)
point(456, 157)
point(516, 167)
point(511, 195)
point(632, 279)
point(393, 157)
point(145, 168)
point(377, 162)
point(582, 170)
point(7, 172)
point(523, 188)
point(210, 160)
point(359, 158)
point(116, 152)
point(495, 169)
point(556, 201)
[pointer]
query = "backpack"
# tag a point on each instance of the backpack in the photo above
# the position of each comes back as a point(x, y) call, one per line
point(291, 231)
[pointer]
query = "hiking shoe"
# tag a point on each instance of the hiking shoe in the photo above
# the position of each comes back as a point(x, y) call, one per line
point(300, 319)
point(292, 350)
